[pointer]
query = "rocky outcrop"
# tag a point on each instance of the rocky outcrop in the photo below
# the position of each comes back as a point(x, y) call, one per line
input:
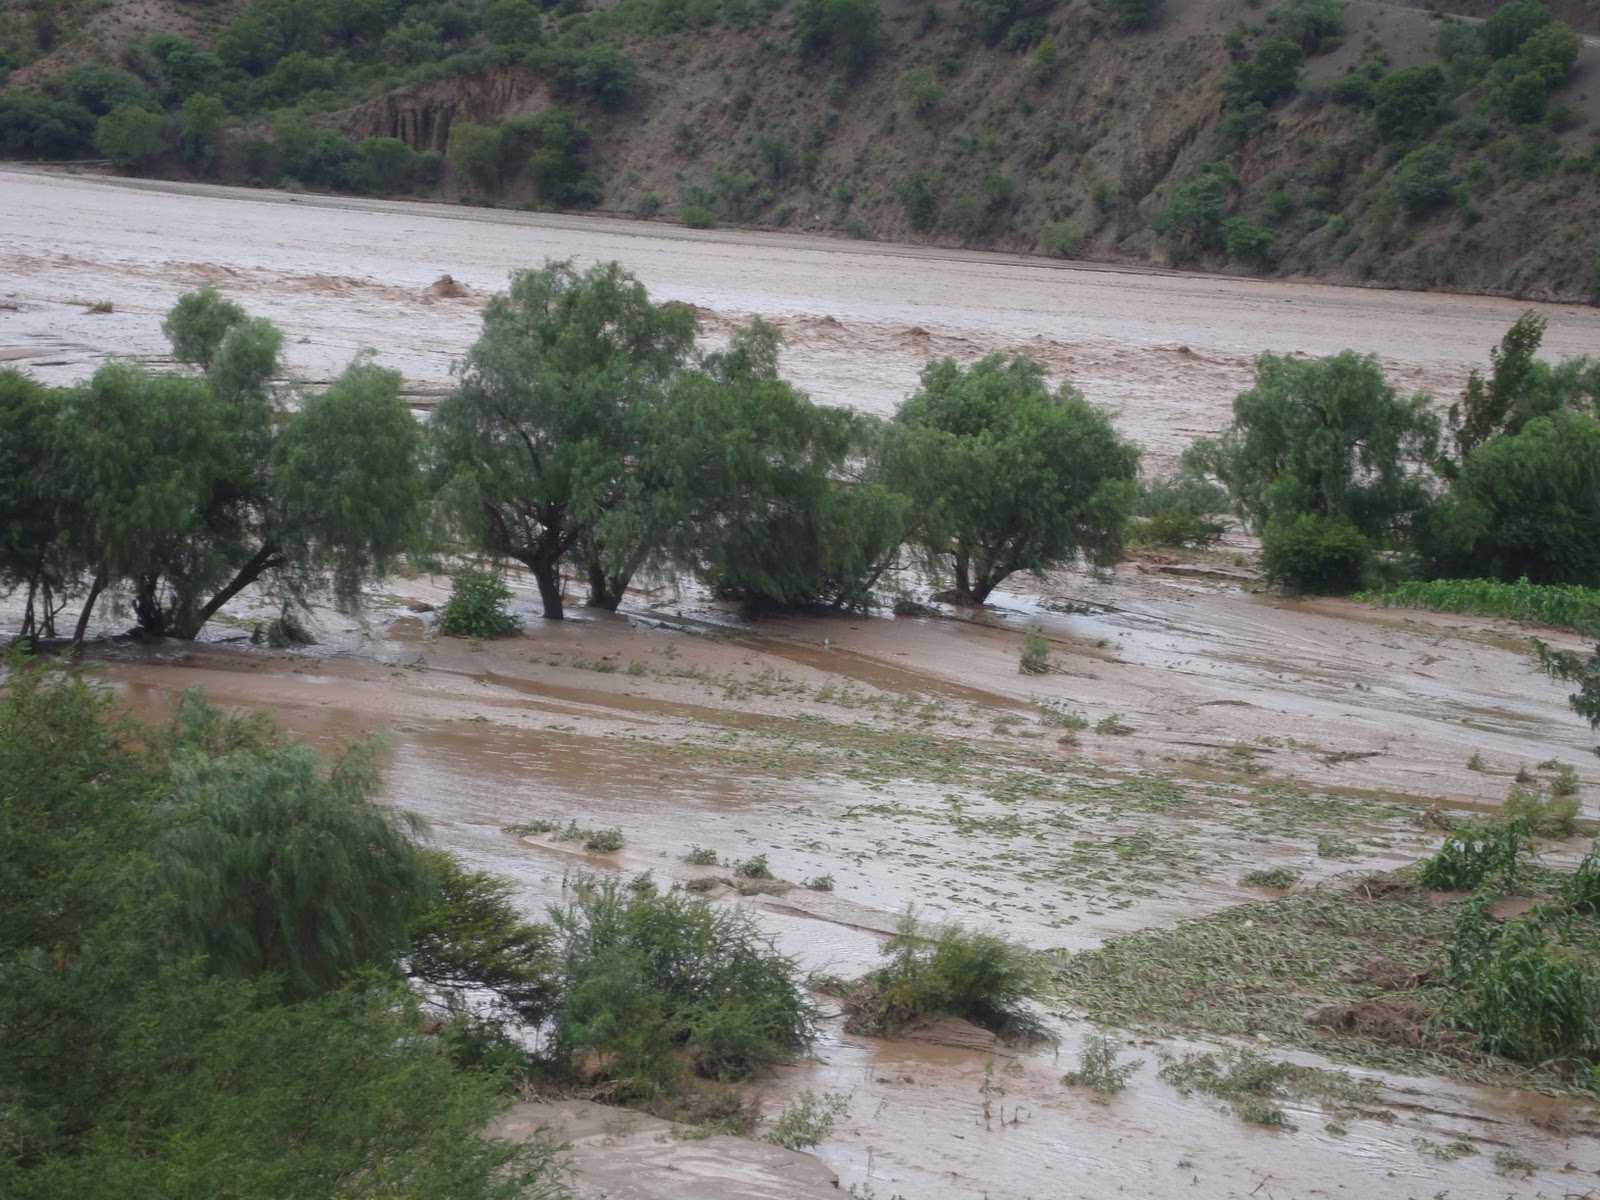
point(423, 115)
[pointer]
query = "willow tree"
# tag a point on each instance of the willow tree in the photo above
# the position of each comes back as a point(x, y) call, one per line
point(543, 437)
point(768, 497)
point(1006, 474)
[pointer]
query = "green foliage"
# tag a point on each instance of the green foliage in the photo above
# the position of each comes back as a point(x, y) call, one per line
point(1178, 511)
point(1035, 658)
point(179, 68)
point(1562, 606)
point(1522, 987)
point(466, 940)
point(1307, 552)
point(807, 1120)
point(545, 440)
point(977, 976)
point(385, 165)
point(845, 32)
point(1006, 475)
point(197, 324)
point(1128, 15)
point(1512, 24)
point(1408, 103)
point(1245, 241)
point(34, 127)
point(1316, 26)
point(768, 497)
point(199, 122)
point(697, 216)
point(1016, 24)
point(1059, 239)
point(602, 73)
point(1552, 816)
point(646, 977)
point(1098, 1068)
point(100, 89)
point(278, 865)
point(1329, 438)
point(1575, 668)
point(1478, 855)
point(918, 89)
point(160, 1073)
point(1422, 181)
point(920, 199)
point(474, 154)
point(1268, 75)
point(512, 22)
point(477, 607)
point(1192, 222)
point(1524, 505)
point(130, 136)
point(190, 490)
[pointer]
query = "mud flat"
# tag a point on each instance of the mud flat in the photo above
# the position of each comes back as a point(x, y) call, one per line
point(1189, 733)
point(1192, 729)
point(1165, 351)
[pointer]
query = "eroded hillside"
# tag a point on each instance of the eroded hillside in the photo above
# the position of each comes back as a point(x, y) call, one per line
point(1361, 142)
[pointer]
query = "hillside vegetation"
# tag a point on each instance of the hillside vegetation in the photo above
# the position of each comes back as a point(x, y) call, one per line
point(1345, 141)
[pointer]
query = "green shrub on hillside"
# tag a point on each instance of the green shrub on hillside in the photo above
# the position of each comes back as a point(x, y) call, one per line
point(131, 136)
point(1422, 181)
point(844, 32)
point(34, 127)
point(1407, 103)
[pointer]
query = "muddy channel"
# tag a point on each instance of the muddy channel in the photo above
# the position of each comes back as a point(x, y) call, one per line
point(1191, 729)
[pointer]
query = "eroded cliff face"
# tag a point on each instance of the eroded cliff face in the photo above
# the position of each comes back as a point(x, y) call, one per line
point(423, 115)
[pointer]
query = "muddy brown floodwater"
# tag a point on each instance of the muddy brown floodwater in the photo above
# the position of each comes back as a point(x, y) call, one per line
point(1190, 729)
point(1165, 351)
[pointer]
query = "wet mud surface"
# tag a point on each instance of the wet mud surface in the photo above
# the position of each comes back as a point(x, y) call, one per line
point(911, 762)
point(1190, 730)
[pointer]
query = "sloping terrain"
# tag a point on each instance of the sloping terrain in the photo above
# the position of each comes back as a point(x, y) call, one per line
point(1027, 127)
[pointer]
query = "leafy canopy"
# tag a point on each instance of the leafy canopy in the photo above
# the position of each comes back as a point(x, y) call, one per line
point(1006, 475)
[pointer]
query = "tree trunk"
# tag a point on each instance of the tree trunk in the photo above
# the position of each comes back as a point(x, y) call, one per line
point(606, 591)
point(263, 560)
point(88, 607)
point(28, 631)
point(547, 574)
point(147, 609)
point(963, 590)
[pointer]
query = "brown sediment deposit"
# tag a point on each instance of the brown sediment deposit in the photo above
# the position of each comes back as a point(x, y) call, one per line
point(1190, 728)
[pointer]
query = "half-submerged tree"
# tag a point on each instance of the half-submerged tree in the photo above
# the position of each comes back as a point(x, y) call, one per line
point(545, 434)
point(1323, 458)
point(1005, 474)
point(766, 496)
point(188, 490)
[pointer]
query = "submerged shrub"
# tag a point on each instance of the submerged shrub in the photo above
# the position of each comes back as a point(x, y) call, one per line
point(650, 980)
point(1035, 658)
point(977, 976)
point(477, 607)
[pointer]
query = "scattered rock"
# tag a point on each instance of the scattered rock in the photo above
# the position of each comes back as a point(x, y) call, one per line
point(447, 288)
point(419, 606)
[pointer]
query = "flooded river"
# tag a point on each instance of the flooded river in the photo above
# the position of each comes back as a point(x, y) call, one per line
point(1190, 730)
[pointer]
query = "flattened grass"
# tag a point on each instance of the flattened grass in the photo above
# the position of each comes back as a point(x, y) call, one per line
point(1561, 606)
point(1265, 969)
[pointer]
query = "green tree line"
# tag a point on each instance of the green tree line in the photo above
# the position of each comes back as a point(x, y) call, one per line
point(587, 436)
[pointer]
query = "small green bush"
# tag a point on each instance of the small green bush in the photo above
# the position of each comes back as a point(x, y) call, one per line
point(754, 868)
point(1528, 994)
point(845, 32)
point(977, 976)
point(1098, 1068)
point(1422, 181)
point(651, 980)
point(1544, 816)
point(1035, 658)
point(1245, 241)
point(1475, 855)
point(1309, 553)
point(700, 856)
point(477, 607)
point(807, 1120)
point(697, 216)
point(1059, 239)
point(918, 89)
